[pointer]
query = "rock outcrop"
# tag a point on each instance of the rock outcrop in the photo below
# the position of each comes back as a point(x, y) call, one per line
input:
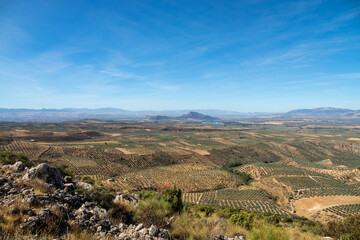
point(50, 175)
point(63, 207)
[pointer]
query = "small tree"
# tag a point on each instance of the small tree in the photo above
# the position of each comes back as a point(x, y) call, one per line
point(173, 196)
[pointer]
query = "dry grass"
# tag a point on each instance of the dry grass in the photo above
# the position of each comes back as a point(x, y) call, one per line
point(189, 226)
point(39, 186)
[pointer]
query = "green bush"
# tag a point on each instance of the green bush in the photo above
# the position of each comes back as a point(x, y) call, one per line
point(64, 170)
point(206, 208)
point(156, 207)
point(101, 196)
point(146, 194)
point(232, 165)
point(245, 220)
point(8, 157)
point(245, 177)
point(153, 211)
point(173, 196)
point(348, 228)
point(87, 179)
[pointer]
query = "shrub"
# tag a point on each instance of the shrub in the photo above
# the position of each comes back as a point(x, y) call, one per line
point(245, 177)
point(87, 179)
point(232, 165)
point(245, 220)
point(349, 228)
point(153, 211)
point(173, 196)
point(146, 194)
point(101, 196)
point(8, 157)
point(64, 170)
point(206, 208)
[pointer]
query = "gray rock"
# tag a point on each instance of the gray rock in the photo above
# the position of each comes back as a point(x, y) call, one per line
point(30, 199)
point(86, 186)
point(4, 180)
point(139, 227)
point(144, 231)
point(68, 179)
point(69, 188)
point(240, 237)
point(28, 211)
point(18, 166)
point(122, 227)
point(153, 230)
point(217, 237)
point(164, 234)
point(43, 171)
point(31, 223)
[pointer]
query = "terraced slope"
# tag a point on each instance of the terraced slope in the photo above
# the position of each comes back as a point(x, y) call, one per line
point(253, 200)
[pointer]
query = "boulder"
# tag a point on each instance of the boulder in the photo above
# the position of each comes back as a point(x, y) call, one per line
point(30, 199)
point(68, 179)
point(18, 166)
point(164, 234)
point(28, 211)
point(50, 175)
point(86, 186)
point(139, 227)
point(153, 230)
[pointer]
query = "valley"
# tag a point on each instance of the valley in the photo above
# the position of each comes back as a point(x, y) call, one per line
point(306, 167)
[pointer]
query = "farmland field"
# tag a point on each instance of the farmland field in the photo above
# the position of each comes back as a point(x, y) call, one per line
point(289, 162)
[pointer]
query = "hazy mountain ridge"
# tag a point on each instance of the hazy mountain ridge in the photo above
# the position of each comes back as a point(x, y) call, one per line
point(190, 116)
point(68, 114)
point(327, 112)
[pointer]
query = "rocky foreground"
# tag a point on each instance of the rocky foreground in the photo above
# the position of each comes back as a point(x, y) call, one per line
point(62, 207)
point(47, 204)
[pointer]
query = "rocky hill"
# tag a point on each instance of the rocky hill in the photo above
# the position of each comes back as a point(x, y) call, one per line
point(190, 116)
point(197, 116)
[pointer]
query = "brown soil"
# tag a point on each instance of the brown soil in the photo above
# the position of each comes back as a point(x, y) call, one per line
point(312, 207)
point(201, 152)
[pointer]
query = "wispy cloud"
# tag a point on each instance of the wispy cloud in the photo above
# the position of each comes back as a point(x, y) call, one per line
point(293, 56)
point(122, 74)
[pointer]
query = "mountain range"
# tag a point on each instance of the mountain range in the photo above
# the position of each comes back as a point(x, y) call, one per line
point(326, 112)
point(69, 114)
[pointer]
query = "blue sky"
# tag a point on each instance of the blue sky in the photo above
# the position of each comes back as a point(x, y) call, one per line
point(249, 56)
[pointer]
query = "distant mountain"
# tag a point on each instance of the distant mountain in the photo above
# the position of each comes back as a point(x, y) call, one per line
point(69, 114)
point(190, 116)
point(197, 116)
point(325, 112)
point(158, 118)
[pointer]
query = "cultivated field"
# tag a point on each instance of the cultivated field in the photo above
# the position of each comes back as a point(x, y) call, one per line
point(294, 165)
